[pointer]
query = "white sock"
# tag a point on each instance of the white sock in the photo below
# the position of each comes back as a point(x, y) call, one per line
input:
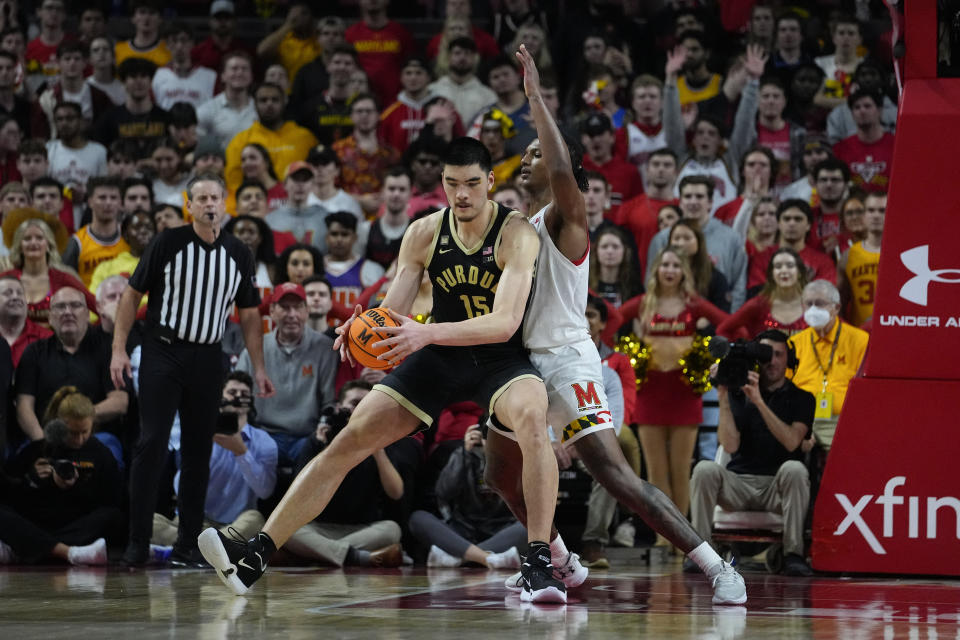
point(94, 553)
point(6, 553)
point(558, 551)
point(440, 558)
point(707, 559)
point(509, 559)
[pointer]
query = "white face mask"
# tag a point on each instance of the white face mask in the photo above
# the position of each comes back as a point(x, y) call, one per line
point(816, 317)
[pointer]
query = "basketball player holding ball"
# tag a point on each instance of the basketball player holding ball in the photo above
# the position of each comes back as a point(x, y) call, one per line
point(555, 331)
point(480, 258)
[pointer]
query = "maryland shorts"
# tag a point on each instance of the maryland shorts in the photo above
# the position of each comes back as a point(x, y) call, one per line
point(435, 377)
point(577, 402)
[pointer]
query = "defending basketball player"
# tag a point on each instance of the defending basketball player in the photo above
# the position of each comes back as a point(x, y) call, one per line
point(556, 333)
point(480, 258)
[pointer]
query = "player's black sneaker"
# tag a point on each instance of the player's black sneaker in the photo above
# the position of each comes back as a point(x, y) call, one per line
point(539, 583)
point(238, 564)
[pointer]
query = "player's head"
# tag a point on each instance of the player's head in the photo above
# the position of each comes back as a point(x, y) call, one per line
point(467, 177)
point(533, 172)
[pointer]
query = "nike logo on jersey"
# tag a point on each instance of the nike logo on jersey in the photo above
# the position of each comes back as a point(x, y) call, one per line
point(443, 251)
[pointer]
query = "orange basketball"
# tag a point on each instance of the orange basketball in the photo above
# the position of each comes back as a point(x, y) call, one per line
point(363, 336)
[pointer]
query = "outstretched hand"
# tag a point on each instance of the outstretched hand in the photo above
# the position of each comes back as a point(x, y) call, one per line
point(675, 60)
point(531, 77)
point(340, 343)
point(755, 61)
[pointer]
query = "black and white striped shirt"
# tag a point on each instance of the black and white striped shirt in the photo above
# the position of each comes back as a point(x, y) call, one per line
point(193, 285)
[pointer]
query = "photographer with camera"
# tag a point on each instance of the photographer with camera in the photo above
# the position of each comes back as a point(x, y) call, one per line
point(350, 530)
point(764, 418)
point(243, 467)
point(66, 492)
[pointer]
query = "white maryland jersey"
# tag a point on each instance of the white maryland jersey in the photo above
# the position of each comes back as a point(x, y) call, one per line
point(640, 145)
point(555, 315)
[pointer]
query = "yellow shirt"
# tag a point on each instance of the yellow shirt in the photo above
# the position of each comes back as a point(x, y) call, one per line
point(688, 95)
point(846, 361)
point(287, 144)
point(122, 264)
point(503, 170)
point(92, 253)
point(158, 54)
point(294, 52)
point(861, 274)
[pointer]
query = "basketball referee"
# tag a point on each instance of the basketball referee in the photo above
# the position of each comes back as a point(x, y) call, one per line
point(193, 274)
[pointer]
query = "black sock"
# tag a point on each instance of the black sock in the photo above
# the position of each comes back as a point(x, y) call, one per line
point(357, 557)
point(265, 544)
point(538, 553)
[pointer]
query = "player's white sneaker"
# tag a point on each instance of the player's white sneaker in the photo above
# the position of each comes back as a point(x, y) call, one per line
point(571, 573)
point(728, 587)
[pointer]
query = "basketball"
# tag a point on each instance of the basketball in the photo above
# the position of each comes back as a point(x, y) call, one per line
point(363, 336)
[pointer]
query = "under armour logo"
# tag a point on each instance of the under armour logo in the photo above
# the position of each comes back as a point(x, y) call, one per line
point(917, 260)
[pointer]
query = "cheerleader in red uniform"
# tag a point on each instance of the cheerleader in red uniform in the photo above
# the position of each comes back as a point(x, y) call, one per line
point(778, 304)
point(668, 411)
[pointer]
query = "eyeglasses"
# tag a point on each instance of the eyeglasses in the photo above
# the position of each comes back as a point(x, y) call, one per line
point(62, 307)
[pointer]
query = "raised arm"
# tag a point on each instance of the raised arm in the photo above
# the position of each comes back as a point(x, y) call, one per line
point(672, 113)
point(568, 203)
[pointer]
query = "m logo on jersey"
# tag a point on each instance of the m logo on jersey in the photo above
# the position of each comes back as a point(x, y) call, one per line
point(586, 398)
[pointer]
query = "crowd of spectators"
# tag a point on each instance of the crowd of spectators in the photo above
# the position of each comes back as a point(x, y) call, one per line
point(738, 158)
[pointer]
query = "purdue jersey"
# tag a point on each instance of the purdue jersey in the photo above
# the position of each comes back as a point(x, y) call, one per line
point(465, 279)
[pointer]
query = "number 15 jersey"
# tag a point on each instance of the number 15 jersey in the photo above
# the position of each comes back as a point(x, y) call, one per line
point(465, 279)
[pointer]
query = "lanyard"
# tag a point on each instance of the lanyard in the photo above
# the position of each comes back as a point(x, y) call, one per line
point(833, 352)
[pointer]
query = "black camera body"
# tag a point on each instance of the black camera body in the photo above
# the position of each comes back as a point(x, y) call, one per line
point(228, 422)
point(737, 359)
point(336, 419)
point(66, 469)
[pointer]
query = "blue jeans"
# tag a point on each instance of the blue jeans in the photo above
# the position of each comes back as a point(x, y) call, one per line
point(289, 447)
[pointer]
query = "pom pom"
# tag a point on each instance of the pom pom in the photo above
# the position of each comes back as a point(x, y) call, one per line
point(695, 365)
point(639, 354)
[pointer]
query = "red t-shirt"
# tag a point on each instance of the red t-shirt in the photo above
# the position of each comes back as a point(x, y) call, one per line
point(381, 53)
point(819, 266)
point(869, 163)
point(42, 57)
point(400, 124)
point(208, 54)
point(824, 226)
point(639, 217)
point(624, 179)
point(276, 196)
point(779, 143)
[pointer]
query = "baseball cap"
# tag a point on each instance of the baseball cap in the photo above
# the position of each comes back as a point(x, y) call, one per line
point(222, 6)
point(322, 155)
point(816, 141)
point(298, 166)
point(288, 289)
point(596, 124)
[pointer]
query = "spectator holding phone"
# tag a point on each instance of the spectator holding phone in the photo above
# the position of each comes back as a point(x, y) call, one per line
point(243, 467)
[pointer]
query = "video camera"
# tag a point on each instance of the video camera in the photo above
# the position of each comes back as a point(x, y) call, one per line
point(737, 359)
point(336, 418)
point(228, 422)
point(66, 469)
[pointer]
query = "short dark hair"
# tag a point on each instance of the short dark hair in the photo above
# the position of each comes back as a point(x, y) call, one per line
point(179, 26)
point(344, 48)
point(599, 304)
point(702, 180)
point(102, 182)
point(351, 385)
point(240, 376)
point(775, 81)
point(69, 105)
point(463, 42)
point(157, 208)
point(397, 171)
point(268, 85)
point(832, 164)
point(365, 96)
point(595, 175)
point(123, 147)
point(501, 60)
point(265, 252)
point(773, 335)
point(343, 218)
point(132, 67)
point(796, 203)
point(204, 177)
point(317, 278)
point(136, 181)
point(33, 147)
point(466, 151)
point(772, 159)
point(693, 34)
point(71, 46)
point(250, 184)
point(182, 115)
point(860, 94)
point(665, 151)
point(788, 15)
point(45, 181)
